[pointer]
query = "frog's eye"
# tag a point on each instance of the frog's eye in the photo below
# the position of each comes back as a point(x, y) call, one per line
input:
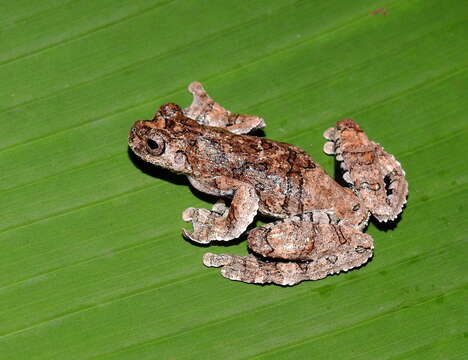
point(155, 145)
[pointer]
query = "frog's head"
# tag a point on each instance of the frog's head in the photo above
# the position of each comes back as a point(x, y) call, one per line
point(159, 141)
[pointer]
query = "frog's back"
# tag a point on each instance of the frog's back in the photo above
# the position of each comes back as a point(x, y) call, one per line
point(278, 171)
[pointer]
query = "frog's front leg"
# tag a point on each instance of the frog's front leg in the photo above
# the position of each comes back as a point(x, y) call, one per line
point(206, 111)
point(222, 223)
point(315, 250)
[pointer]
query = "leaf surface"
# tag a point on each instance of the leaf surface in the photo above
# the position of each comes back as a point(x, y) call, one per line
point(92, 261)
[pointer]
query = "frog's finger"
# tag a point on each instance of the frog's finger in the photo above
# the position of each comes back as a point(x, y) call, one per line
point(193, 236)
point(329, 148)
point(329, 134)
point(188, 213)
point(214, 260)
point(187, 234)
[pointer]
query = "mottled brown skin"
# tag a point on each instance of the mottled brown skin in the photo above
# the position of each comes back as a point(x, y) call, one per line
point(321, 228)
point(375, 175)
point(316, 250)
point(287, 181)
point(302, 240)
point(206, 111)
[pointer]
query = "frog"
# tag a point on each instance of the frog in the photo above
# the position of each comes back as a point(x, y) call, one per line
point(317, 222)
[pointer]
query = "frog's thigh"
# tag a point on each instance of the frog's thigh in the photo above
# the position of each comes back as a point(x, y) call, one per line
point(343, 246)
point(206, 111)
point(223, 223)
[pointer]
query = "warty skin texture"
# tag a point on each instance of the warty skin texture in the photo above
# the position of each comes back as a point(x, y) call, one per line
point(287, 181)
point(320, 228)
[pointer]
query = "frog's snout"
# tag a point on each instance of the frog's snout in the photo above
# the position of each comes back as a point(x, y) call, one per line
point(138, 125)
point(134, 132)
point(138, 136)
point(140, 129)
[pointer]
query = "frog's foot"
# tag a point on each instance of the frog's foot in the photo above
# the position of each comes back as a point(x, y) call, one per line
point(376, 176)
point(223, 223)
point(250, 269)
point(203, 219)
point(206, 111)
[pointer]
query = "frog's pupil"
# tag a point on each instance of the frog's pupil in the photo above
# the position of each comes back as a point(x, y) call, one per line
point(153, 145)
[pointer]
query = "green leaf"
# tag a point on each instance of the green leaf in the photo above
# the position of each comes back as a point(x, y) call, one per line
point(93, 264)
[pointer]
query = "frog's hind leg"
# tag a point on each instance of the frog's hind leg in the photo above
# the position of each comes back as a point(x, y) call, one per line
point(222, 223)
point(206, 111)
point(376, 176)
point(311, 250)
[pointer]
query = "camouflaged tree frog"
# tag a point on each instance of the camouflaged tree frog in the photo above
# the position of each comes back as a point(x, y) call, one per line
point(319, 223)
